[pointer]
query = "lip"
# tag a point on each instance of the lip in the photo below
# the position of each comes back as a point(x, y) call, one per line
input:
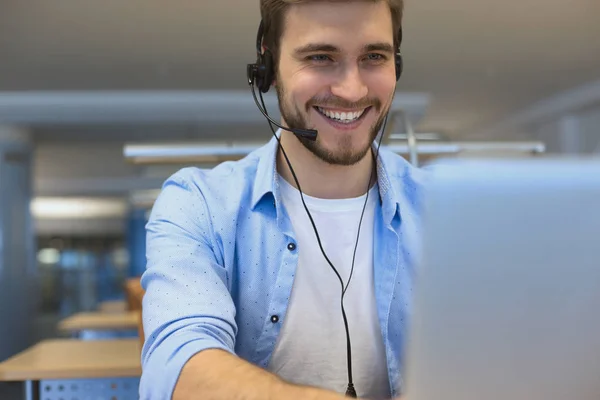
point(343, 109)
point(345, 127)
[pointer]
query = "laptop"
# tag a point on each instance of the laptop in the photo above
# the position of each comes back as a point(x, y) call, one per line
point(507, 295)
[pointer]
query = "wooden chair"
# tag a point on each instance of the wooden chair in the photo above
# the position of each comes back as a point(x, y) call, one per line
point(134, 293)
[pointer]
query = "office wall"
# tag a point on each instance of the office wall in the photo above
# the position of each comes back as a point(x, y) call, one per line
point(80, 168)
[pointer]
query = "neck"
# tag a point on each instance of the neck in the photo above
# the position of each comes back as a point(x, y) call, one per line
point(320, 179)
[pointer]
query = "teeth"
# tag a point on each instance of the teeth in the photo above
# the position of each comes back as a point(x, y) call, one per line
point(346, 117)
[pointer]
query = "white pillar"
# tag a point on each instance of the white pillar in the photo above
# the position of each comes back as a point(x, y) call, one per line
point(570, 135)
point(17, 251)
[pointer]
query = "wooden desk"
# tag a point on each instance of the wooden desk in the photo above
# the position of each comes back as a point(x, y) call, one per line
point(70, 368)
point(98, 323)
point(113, 306)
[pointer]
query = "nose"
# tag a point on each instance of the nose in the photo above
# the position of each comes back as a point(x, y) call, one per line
point(350, 85)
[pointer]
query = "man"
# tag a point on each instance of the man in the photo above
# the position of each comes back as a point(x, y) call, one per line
point(241, 302)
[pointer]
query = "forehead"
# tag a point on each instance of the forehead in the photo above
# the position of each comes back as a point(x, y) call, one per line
point(337, 22)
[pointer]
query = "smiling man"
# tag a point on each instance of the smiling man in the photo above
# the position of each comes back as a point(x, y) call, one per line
point(288, 274)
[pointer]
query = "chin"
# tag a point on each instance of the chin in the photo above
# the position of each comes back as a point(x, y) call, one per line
point(356, 138)
point(339, 149)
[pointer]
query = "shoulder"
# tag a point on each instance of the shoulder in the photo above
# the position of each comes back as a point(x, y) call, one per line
point(226, 183)
point(407, 181)
point(207, 201)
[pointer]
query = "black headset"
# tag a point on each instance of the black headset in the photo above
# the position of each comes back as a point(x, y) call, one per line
point(262, 73)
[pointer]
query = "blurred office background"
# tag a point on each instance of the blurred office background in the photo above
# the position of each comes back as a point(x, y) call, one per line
point(101, 101)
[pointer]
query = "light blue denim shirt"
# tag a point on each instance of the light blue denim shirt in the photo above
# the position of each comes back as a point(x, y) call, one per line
point(220, 264)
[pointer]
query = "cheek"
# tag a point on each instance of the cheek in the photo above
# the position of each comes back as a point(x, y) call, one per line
point(381, 87)
point(306, 85)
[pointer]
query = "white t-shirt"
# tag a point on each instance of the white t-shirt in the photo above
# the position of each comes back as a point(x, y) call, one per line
point(311, 348)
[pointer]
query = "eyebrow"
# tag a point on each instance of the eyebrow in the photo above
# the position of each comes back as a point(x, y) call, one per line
point(381, 46)
point(329, 48)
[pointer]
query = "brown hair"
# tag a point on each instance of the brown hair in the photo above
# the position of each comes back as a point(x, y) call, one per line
point(273, 16)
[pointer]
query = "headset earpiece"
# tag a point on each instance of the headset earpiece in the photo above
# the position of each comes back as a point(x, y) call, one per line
point(398, 56)
point(266, 71)
point(261, 73)
point(399, 65)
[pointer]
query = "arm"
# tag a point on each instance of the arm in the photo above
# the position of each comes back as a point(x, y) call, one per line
point(216, 375)
point(188, 312)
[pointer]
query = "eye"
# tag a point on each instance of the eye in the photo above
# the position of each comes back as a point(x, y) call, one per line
point(319, 58)
point(375, 57)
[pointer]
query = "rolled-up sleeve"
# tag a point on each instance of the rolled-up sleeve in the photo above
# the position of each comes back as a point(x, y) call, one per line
point(187, 307)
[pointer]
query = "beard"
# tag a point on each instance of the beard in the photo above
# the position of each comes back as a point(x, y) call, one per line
point(345, 153)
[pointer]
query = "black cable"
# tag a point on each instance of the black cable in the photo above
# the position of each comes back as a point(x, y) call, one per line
point(350, 391)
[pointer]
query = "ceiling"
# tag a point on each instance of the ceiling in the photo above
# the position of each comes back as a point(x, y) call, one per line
point(481, 60)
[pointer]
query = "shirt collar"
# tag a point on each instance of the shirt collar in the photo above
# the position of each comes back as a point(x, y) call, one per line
point(266, 182)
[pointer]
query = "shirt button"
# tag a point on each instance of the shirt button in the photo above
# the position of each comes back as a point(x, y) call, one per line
point(291, 247)
point(274, 319)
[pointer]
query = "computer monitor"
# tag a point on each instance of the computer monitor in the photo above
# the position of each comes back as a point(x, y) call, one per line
point(507, 293)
